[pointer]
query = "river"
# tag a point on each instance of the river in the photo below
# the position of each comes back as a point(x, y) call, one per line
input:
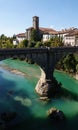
point(17, 94)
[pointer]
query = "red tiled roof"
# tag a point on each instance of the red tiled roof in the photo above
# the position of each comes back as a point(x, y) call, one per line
point(64, 31)
point(48, 30)
point(45, 30)
point(73, 33)
point(21, 35)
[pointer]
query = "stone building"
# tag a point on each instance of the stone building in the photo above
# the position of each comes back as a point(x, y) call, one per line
point(45, 33)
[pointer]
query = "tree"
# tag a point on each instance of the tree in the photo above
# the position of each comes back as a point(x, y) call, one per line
point(35, 35)
point(7, 44)
point(0, 44)
point(14, 37)
point(38, 44)
point(3, 37)
point(70, 63)
point(56, 41)
point(25, 43)
point(31, 44)
point(77, 68)
point(47, 43)
point(20, 45)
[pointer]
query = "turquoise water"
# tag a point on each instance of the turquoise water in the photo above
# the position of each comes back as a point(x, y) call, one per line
point(31, 112)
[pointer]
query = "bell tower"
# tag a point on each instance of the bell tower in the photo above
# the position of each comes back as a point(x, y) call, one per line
point(36, 22)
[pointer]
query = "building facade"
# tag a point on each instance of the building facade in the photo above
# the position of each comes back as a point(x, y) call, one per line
point(19, 38)
point(69, 36)
point(45, 33)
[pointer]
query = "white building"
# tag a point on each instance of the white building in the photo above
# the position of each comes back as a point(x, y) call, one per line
point(70, 36)
point(69, 40)
point(76, 40)
point(19, 37)
point(48, 36)
point(15, 42)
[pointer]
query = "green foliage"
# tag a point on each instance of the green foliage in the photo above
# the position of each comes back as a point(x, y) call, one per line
point(25, 43)
point(31, 44)
point(30, 61)
point(77, 68)
point(6, 42)
point(38, 44)
point(60, 65)
point(0, 44)
point(76, 57)
point(20, 45)
point(47, 43)
point(3, 37)
point(35, 35)
point(14, 37)
point(9, 44)
point(68, 63)
point(56, 41)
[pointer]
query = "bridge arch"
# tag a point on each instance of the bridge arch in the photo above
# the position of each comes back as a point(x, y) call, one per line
point(53, 55)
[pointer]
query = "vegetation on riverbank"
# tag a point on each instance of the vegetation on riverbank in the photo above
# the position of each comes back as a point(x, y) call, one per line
point(68, 64)
point(35, 41)
point(53, 42)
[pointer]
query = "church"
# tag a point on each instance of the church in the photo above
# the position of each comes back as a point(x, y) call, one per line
point(46, 33)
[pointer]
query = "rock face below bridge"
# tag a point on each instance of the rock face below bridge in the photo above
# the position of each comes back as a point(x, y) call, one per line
point(42, 86)
point(46, 87)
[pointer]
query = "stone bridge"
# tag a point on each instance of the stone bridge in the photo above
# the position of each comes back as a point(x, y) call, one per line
point(46, 58)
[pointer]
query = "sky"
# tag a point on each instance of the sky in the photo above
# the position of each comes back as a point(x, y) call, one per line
point(16, 15)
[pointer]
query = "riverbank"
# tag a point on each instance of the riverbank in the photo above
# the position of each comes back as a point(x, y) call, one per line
point(14, 71)
point(75, 76)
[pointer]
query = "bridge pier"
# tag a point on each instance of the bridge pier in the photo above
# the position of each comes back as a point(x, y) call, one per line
point(47, 85)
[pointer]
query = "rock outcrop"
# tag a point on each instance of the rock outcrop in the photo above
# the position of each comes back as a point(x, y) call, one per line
point(55, 115)
point(47, 87)
point(39, 88)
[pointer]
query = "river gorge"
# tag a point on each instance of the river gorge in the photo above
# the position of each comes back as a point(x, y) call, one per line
point(17, 94)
